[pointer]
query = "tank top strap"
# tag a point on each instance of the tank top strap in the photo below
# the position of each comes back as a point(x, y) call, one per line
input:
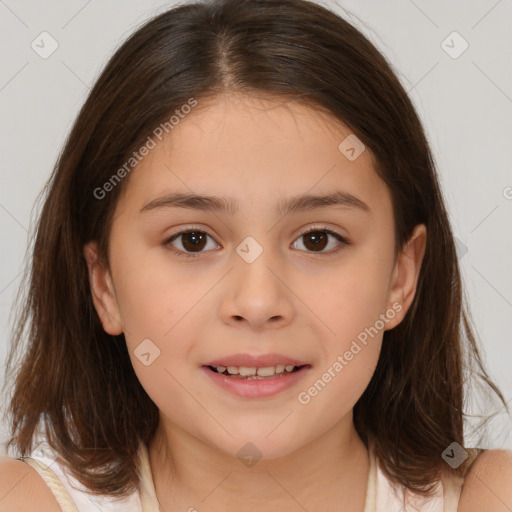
point(371, 488)
point(453, 484)
point(452, 488)
point(53, 482)
point(147, 488)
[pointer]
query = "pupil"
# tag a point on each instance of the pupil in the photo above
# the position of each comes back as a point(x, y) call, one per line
point(193, 240)
point(318, 240)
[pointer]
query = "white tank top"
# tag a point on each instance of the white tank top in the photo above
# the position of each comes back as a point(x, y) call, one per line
point(72, 496)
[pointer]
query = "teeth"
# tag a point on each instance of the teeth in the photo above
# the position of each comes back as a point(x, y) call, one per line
point(265, 371)
point(246, 372)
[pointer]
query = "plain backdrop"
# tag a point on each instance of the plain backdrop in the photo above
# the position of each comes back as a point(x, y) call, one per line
point(460, 83)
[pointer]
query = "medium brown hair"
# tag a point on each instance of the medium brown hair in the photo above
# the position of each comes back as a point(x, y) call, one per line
point(79, 382)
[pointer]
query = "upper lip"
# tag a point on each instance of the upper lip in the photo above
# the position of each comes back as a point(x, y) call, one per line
point(250, 361)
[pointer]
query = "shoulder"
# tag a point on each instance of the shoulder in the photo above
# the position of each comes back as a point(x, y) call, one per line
point(22, 488)
point(487, 485)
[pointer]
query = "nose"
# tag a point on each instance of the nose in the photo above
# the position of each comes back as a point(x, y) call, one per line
point(256, 295)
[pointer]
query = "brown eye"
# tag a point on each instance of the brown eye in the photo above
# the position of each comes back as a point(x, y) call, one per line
point(316, 240)
point(192, 242)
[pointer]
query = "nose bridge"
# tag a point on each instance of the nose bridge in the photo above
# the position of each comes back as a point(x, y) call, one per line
point(255, 292)
point(253, 263)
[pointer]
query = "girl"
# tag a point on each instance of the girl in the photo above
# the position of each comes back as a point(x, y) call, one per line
point(244, 291)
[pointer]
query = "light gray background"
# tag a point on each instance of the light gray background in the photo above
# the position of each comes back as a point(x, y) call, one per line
point(465, 104)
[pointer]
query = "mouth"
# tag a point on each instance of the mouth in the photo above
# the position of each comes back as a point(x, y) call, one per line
point(256, 382)
point(256, 373)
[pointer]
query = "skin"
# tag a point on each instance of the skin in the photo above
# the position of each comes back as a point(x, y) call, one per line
point(291, 300)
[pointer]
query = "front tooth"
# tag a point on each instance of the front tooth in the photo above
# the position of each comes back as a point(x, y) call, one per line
point(289, 367)
point(266, 371)
point(221, 369)
point(244, 371)
point(280, 368)
point(232, 370)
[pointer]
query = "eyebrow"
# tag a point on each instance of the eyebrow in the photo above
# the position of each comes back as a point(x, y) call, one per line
point(304, 202)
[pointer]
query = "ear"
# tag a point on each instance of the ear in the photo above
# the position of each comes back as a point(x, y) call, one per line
point(102, 290)
point(405, 274)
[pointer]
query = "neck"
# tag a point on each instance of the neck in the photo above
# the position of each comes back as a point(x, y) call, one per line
point(329, 474)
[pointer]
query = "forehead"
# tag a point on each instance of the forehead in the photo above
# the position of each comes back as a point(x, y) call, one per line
point(239, 127)
point(257, 150)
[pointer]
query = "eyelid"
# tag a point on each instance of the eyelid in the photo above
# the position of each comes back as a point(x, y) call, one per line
point(327, 229)
point(188, 229)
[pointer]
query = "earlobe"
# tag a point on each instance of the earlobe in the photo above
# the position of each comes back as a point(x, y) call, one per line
point(406, 273)
point(102, 290)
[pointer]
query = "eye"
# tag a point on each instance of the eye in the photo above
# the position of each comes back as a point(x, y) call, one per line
point(192, 241)
point(317, 239)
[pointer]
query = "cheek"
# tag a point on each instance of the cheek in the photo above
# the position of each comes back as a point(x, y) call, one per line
point(349, 360)
point(162, 309)
point(355, 311)
point(356, 295)
point(157, 304)
point(332, 393)
point(354, 307)
point(154, 293)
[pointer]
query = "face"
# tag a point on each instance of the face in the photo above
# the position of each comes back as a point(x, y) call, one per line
point(258, 285)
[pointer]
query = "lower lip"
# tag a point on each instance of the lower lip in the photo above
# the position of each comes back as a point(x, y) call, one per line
point(257, 388)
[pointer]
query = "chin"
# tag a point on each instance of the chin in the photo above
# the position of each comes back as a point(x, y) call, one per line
point(260, 443)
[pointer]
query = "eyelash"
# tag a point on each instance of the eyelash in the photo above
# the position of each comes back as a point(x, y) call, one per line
point(322, 229)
